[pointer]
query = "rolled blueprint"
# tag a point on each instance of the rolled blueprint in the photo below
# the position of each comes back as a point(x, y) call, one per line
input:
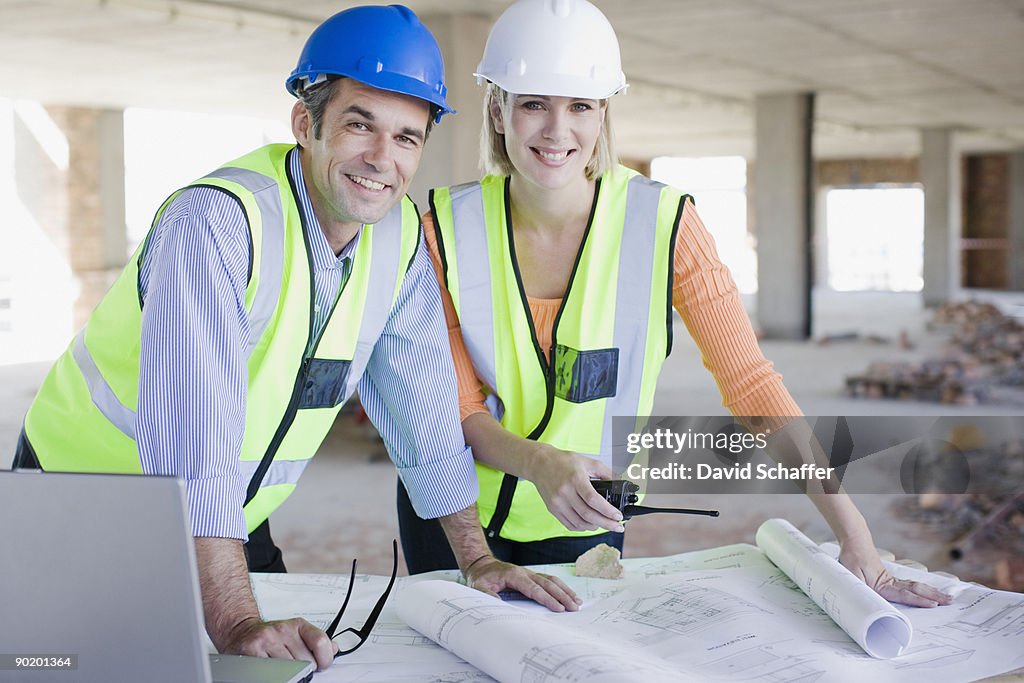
point(513, 644)
point(878, 627)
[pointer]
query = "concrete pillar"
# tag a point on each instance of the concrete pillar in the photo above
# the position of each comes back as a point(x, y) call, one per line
point(940, 174)
point(1016, 220)
point(819, 241)
point(98, 238)
point(70, 171)
point(451, 155)
point(783, 210)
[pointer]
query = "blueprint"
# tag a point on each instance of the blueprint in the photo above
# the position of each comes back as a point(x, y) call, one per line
point(878, 627)
point(720, 614)
point(318, 597)
point(532, 648)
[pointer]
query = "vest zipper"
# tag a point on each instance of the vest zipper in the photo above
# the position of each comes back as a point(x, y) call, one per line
point(507, 492)
point(300, 379)
point(289, 414)
point(293, 404)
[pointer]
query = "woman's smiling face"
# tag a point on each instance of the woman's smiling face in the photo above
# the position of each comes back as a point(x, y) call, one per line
point(549, 139)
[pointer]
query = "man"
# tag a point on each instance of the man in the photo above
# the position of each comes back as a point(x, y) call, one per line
point(264, 295)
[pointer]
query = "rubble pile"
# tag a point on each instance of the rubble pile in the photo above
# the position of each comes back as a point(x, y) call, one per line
point(963, 313)
point(984, 362)
point(984, 530)
point(987, 534)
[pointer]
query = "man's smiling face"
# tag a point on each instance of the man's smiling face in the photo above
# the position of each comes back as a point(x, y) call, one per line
point(367, 151)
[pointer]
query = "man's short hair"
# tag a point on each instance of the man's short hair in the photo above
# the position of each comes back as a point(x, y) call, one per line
point(318, 96)
point(494, 157)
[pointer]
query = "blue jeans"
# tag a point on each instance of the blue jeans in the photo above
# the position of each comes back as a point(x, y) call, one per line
point(426, 547)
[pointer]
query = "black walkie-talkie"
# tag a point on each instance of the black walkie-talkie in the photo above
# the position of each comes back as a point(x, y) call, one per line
point(622, 494)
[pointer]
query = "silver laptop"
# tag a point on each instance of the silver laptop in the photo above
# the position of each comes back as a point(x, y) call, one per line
point(98, 583)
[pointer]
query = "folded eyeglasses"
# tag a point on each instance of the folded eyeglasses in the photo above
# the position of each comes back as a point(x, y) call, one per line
point(351, 639)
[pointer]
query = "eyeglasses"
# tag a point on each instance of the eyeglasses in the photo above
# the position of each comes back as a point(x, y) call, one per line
point(361, 633)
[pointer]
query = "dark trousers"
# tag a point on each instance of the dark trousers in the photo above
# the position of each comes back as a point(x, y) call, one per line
point(426, 547)
point(261, 553)
point(24, 456)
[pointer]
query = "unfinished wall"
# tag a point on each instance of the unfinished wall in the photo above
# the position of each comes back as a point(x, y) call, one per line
point(986, 222)
point(986, 197)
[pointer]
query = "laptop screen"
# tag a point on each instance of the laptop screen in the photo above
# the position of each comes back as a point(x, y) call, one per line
point(100, 569)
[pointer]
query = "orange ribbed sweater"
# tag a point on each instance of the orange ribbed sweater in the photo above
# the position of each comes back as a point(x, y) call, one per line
point(704, 294)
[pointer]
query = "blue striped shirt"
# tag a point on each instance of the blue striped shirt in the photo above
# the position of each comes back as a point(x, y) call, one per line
point(193, 372)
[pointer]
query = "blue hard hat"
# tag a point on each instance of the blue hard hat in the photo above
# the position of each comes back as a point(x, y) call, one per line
point(384, 47)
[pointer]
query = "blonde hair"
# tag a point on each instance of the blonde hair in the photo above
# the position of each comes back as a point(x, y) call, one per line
point(494, 157)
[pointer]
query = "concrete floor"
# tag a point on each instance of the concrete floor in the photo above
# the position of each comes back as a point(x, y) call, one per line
point(344, 506)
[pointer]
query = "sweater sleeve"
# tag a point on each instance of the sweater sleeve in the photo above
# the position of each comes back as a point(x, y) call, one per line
point(706, 297)
point(471, 388)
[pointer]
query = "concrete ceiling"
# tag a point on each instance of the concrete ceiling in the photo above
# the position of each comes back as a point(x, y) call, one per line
point(882, 69)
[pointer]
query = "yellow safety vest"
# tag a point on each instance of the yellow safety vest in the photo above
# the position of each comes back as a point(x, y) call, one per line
point(610, 338)
point(83, 418)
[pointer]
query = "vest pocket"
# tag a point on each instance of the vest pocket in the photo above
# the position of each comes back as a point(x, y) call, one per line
point(325, 383)
point(582, 376)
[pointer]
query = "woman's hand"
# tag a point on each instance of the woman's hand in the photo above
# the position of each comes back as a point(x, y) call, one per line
point(862, 559)
point(563, 480)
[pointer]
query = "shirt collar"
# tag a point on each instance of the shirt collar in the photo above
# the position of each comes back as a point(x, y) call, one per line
point(323, 255)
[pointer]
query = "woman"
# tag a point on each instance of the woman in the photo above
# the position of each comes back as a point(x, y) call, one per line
point(556, 271)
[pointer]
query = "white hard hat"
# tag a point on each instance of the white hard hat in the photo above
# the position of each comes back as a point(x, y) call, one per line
point(553, 47)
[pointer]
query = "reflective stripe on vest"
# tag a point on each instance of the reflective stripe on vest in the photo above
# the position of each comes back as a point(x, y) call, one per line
point(103, 396)
point(268, 256)
point(280, 471)
point(83, 418)
point(611, 335)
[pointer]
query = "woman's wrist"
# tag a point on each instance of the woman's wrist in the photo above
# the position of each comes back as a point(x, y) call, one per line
point(532, 459)
point(854, 532)
point(843, 517)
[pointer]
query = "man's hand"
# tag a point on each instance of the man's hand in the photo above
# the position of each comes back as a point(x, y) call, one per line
point(289, 639)
point(233, 619)
point(491, 575)
point(563, 480)
point(863, 560)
